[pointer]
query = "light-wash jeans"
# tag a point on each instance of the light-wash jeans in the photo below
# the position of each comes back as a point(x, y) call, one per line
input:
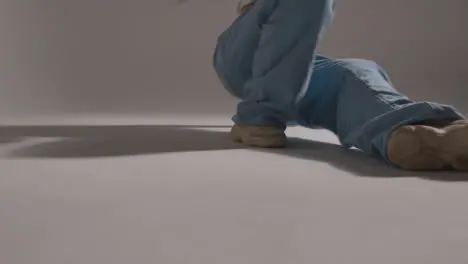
point(267, 58)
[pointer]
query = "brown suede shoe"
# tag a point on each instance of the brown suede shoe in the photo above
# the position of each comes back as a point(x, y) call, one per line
point(423, 147)
point(259, 136)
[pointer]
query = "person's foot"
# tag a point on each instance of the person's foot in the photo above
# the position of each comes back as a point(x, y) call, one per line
point(244, 5)
point(423, 147)
point(259, 136)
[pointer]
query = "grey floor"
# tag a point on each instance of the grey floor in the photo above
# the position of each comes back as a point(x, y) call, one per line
point(176, 190)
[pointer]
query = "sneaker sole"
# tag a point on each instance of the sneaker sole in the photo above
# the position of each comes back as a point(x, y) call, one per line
point(428, 148)
point(270, 141)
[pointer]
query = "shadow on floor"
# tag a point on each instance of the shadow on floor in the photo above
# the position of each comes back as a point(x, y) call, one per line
point(127, 140)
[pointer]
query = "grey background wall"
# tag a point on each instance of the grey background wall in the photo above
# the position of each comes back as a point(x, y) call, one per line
point(120, 56)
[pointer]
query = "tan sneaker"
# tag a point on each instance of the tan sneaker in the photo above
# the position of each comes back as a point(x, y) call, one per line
point(244, 5)
point(259, 136)
point(422, 147)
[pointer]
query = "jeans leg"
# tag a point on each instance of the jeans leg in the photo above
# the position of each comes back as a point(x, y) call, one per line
point(236, 46)
point(274, 63)
point(318, 106)
point(369, 108)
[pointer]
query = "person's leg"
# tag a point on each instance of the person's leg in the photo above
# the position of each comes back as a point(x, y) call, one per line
point(264, 57)
point(373, 116)
point(318, 106)
point(235, 49)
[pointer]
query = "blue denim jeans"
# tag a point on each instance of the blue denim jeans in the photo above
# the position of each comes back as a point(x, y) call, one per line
point(267, 58)
point(264, 57)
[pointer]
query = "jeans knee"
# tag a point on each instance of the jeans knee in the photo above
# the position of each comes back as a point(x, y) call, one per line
point(216, 61)
point(221, 62)
point(227, 76)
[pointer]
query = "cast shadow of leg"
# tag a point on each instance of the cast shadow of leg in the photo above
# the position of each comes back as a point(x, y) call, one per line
point(61, 142)
point(113, 141)
point(356, 162)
